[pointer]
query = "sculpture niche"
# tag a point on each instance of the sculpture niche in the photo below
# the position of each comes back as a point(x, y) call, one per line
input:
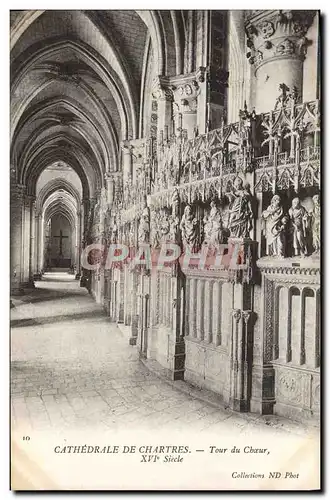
point(300, 224)
point(240, 211)
point(189, 229)
point(276, 222)
point(213, 227)
point(316, 224)
point(144, 225)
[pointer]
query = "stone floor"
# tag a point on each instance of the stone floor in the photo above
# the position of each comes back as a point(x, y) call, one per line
point(71, 367)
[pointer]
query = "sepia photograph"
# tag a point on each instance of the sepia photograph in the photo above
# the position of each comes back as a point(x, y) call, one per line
point(165, 245)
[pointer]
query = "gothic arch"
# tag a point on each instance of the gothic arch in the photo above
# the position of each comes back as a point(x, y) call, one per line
point(55, 185)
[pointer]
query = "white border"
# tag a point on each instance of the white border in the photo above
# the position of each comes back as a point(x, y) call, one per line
point(4, 184)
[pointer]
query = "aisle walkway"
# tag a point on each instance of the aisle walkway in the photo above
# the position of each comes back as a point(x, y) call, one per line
point(72, 367)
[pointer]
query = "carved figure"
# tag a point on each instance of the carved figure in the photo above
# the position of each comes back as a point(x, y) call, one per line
point(316, 224)
point(131, 236)
point(213, 229)
point(163, 226)
point(175, 202)
point(173, 234)
point(189, 228)
point(114, 232)
point(299, 220)
point(275, 227)
point(240, 211)
point(144, 225)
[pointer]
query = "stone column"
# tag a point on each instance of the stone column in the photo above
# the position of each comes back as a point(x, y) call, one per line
point(42, 245)
point(134, 310)
point(240, 362)
point(16, 230)
point(277, 46)
point(189, 102)
point(202, 61)
point(33, 242)
point(163, 93)
point(127, 163)
point(263, 375)
point(79, 244)
point(176, 371)
point(36, 270)
point(127, 296)
point(27, 242)
point(87, 208)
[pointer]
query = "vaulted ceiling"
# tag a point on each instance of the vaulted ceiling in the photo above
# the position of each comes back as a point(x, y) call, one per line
point(76, 80)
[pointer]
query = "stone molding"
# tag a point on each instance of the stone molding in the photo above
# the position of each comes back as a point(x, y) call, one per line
point(277, 34)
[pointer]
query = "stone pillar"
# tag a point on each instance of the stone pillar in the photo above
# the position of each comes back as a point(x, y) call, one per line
point(134, 310)
point(16, 240)
point(37, 247)
point(240, 361)
point(127, 295)
point(277, 46)
point(143, 307)
point(263, 396)
point(217, 74)
point(202, 61)
point(127, 161)
point(239, 74)
point(163, 93)
point(85, 209)
point(79, 244)
point(243, 319)
point(27, 242)
point(185, 106)
point(42, 245)
point(200, 309)
point(22, 218)
point(33, 242)
point(181, 104)
point(178, 363)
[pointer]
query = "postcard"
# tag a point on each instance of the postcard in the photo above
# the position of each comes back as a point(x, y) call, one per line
point(165, 248)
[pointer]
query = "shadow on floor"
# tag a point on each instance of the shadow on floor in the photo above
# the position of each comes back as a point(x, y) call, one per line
point(46, 294)
point(47, 320)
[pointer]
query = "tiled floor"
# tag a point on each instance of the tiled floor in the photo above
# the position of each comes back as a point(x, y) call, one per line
point(71, 367)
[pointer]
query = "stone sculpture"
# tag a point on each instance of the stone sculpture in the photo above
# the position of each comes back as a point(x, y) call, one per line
point(240, 211)
point(144, 225)
point(173, 234)
point(299, 220)
point(316, 224)
point(114, 232)
point(213, 228)
point(189, 228)
point(276, 222)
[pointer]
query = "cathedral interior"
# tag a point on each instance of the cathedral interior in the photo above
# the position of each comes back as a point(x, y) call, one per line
point(199, 128)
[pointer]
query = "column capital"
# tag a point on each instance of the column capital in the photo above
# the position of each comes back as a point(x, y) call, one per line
point(162, 89)
point(246, 316)
point(236, 314)
point(277, 34)
point(126, 147)
point(186, 89)
point(29, 198)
